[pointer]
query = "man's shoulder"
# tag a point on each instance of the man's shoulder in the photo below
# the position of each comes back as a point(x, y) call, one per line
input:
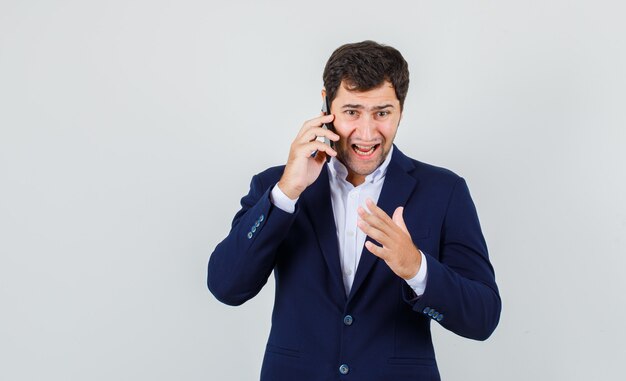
point(435, 172)
point(271, 174)
point(428, 172)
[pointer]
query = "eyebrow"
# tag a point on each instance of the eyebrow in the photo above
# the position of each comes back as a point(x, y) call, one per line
point(360, 107)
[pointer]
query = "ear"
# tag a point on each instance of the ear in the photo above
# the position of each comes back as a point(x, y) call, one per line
point(323, 93)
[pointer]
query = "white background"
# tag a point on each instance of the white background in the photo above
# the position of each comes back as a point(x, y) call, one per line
point(130, 129)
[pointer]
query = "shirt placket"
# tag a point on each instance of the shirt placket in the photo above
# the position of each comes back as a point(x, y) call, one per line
point(350, 238)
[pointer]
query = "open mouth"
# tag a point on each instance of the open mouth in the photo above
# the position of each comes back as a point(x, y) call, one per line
point(364, 150)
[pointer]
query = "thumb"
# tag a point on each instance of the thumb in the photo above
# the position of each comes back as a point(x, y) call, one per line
point(398, 220)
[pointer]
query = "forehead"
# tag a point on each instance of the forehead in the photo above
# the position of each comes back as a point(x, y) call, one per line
point(383, 94)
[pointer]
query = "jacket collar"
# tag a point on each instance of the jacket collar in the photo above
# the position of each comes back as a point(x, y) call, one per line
point(398, 187)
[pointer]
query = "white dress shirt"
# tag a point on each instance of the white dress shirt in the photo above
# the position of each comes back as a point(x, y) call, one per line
point(346, 198)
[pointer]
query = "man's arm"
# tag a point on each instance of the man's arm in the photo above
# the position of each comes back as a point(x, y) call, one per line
point(242, 262)
point(460, 292)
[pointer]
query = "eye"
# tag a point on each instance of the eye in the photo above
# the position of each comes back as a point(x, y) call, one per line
point(382, 114)
point(351, 112)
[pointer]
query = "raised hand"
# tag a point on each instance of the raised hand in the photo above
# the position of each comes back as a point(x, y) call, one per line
point(302, 169)
point(397, 250)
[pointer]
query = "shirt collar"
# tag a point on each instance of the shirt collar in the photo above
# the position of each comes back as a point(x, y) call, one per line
point(338, 170)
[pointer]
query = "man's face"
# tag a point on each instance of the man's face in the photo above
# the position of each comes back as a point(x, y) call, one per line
point(367, 123)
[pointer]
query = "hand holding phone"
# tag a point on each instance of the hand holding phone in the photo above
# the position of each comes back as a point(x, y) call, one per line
point(303, 165)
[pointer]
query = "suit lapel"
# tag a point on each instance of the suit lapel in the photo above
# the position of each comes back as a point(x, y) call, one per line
point(318, 206)
point(397, 189)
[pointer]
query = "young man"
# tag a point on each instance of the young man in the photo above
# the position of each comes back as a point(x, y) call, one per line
point(366, 250)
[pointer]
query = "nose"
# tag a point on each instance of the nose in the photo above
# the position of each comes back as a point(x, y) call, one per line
point(367, 129)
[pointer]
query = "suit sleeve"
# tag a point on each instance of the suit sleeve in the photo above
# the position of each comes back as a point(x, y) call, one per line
point(242, 262)
point(461, 292)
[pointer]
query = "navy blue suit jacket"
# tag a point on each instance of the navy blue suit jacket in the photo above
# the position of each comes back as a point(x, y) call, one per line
point(380, 331)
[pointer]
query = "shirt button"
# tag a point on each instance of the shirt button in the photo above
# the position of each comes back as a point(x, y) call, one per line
point(344, 369)
point(348, 272)
point(347, 320)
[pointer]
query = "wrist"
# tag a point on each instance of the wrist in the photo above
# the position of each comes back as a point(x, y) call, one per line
point(289, 191)
point(415, 266)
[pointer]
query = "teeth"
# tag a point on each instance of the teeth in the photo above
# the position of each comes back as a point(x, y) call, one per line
point(364, 150)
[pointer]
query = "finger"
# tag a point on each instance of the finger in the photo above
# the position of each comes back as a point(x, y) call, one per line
point(315, 122)
point(381, 221)
point(377, 214)
point(399, 220)
point(373, 233)
point(315, 146)
point(318, 121)
point(373, 220)
point(375, 249)
point(315, 132)
point(375, 210)
point(321, 131)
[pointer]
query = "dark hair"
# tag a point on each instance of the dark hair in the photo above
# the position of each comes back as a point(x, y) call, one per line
point(363, 66)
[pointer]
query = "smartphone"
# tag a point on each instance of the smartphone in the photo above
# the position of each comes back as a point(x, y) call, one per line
point(326, 126)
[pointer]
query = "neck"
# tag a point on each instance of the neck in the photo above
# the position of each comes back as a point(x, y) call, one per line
point(355, 179)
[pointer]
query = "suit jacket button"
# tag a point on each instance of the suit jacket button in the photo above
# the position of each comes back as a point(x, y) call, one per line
point(347, 320)
point(250, 235)
point(440, 317)
point(253, 229)
point(261, 218)
point(426, 310)
point(344, 369)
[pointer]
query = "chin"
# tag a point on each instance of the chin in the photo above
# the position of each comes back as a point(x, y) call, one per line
point(365, 167)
